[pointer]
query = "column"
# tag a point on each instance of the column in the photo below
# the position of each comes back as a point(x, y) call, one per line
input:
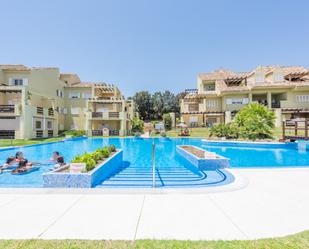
point(269, 100)
point(228, 117)
point(250, 98)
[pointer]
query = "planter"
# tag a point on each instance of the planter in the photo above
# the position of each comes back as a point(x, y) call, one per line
point(59, 178)
point(202, 159)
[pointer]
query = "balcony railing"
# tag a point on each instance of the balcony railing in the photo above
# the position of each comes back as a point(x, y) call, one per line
point(50, 112)
point(113, 114)
point(105, 115)
point(275, 105)
point(97, 114)
point(7, 108)
point(40, 110)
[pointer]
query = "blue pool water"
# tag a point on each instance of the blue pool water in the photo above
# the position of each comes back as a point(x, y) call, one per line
point(171, 170)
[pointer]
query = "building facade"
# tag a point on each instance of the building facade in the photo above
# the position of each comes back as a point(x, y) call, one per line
point(222, 93)
point(42, 102)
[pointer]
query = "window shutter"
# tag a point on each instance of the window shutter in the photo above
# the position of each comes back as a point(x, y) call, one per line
point(228, 101)
point(11, 81)
point(25, 82)
point(245, 101)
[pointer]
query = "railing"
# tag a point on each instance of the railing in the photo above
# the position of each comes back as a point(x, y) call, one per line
point(275, 105)
point(7, 108)
point(97, 114)
point(7, 134)
point(40, 110)
point(113, 114)
point(50, 112)
point(153, 158)
point(295, 129)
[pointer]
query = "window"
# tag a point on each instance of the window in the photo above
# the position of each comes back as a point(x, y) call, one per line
point(259, 78)
point(74, 95)
point(57, 93)
point(38, 124)
point(211, 103)
point(18, 82)
point(278, 77)
point(242, 101)
point(302, 98)
point(86, 95)
point(210, 87)
point(74, 111)
point(49, 125)
point(193, 107)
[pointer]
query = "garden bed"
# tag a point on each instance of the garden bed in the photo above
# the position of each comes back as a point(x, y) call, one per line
point(65, 178)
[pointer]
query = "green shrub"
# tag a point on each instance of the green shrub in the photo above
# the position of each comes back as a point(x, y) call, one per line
point(112, 148)
point(87, 158)
point(224, 130)
point(255, 121)
point(137, 125)
point(91, 159)
point(75, 133)
point(167, 119)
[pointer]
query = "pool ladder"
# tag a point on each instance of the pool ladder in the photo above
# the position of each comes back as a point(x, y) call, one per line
point(153, 158)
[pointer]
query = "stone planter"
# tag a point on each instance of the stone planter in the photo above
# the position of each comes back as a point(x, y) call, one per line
point(62, 179)
point(210, 162)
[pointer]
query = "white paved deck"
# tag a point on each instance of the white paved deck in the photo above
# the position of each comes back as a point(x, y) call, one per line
point(274, 203)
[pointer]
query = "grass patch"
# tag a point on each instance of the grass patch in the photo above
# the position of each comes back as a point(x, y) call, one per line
point(297, 241)
point(204, 132)
point(20, 142)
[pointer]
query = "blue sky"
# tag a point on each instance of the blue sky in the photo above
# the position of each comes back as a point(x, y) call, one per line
point(153, 45)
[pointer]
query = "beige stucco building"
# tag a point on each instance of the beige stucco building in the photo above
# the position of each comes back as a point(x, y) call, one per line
point(222, 93)
point(42, 102)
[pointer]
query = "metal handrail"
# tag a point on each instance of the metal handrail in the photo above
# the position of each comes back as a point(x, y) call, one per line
point(153, 165)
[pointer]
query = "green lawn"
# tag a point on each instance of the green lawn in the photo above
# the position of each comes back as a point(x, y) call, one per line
point(18, 142)
point(297, 241)
point(204, 132)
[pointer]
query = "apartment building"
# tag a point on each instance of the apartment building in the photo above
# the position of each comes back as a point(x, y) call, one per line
point(222, 93)
point(42, 102)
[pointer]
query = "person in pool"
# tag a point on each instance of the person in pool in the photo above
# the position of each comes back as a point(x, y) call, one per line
point(56, 157)
point(22, 162)
point(10, 161)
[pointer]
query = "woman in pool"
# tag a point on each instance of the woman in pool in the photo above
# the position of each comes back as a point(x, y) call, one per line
point(58, 159)
point(22, 162)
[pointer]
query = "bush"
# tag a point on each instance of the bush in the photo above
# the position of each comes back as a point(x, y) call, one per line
point(91, 159)
point(163, 134)
point(167, 119)
point(75, 133)
point(255, 121)
point(224, 130)
point(112, 148)
point(137, 125)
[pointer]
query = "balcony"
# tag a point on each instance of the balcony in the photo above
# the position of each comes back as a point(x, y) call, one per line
point(97, 114)
point(50, 112)
point(40, 110)
point(108, 115)
point(10, 110)
point(7, 108)
point(113, 114)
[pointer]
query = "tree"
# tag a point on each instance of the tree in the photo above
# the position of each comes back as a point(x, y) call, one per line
point(137, 125)
point(255, 121)
point(157, 102)
point(144, 105)
point(152, 107)
point(167, 119)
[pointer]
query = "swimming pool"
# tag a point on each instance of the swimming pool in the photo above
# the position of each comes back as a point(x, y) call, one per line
point(171, 169)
